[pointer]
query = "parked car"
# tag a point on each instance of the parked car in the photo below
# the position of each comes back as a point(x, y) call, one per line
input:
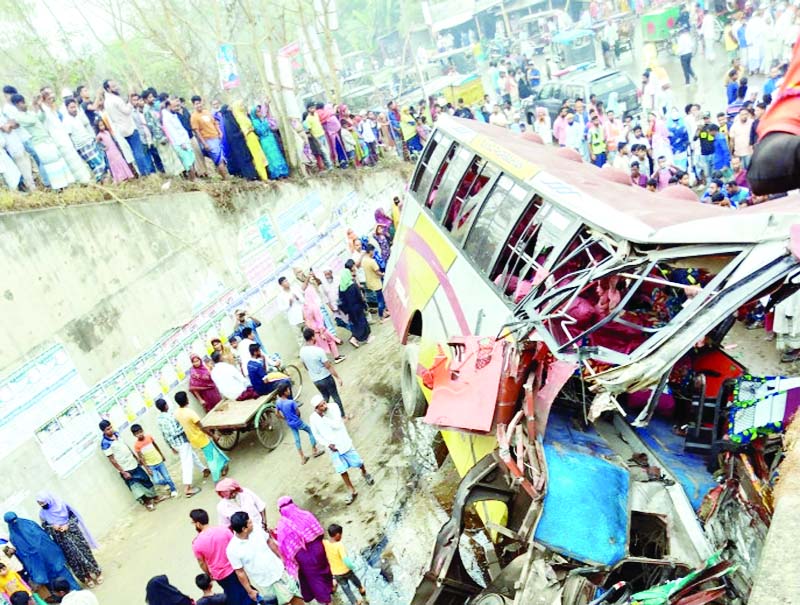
point(614, 88)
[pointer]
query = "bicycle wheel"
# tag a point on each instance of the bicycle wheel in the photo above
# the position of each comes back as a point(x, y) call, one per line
point(297, 379)
point(269, 428)
point(226, 438)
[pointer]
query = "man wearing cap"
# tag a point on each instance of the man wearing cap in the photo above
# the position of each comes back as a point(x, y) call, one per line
point(706, 139)
point(329, 430)
point(122, 459)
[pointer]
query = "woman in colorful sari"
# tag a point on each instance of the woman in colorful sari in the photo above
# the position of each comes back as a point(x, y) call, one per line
point(312, 316)
point(240, 161)
point(276, 164)
point(251, 139)
point(351, 302)
point(65, 526)
point(383, 242)
point(333, 133)
point(303, 553)
point(381, 218)
point(201, 385)
point(41, 557)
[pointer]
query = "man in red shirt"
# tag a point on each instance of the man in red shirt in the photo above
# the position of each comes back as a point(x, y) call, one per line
point(775, 166)
point(209, 548)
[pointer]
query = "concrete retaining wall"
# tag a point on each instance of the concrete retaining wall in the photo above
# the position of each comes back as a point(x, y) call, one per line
point(106, 281)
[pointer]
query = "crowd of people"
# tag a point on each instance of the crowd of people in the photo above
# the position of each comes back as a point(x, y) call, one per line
point(82, 138)
point(290, 563)
point(250, 561)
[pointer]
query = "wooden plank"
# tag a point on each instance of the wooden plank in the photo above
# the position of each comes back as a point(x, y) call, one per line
point(229, 414)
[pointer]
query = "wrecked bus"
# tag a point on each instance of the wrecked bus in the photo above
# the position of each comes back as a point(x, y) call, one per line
point(563, 329)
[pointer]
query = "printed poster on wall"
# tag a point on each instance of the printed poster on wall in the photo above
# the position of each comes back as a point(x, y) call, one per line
point(228, 68)
point(69, 438)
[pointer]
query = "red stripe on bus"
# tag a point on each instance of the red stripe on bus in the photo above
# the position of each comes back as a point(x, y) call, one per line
point(414, 240)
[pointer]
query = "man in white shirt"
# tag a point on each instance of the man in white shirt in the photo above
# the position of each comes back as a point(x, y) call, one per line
point(120, 114)
point(258, 564)
point(67, 596)
point(243, 348)
point(229, 380)
point(329, 430)
point(177, 135)
point(82, 136)
point(18, 135)
point(291, 302)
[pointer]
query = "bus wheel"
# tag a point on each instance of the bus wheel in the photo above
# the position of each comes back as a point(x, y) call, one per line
point(414, 402)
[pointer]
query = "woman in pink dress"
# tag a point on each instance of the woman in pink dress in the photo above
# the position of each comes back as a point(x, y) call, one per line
point(313, 319)
point(120, 171)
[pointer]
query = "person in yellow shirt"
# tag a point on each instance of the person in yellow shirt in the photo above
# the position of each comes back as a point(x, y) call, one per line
point(373, 277)
point(200, 437)
point(11, 581)
point(315, 130)
point(341, 565)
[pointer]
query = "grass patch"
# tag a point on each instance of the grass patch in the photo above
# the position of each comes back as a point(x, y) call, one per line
point(221, 191)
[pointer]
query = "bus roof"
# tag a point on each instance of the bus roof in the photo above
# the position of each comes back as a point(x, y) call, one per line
point(630, 212)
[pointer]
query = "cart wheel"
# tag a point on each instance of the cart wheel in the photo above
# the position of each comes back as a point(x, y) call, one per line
point(269, 428)
point(297, 380)
point(227, 439)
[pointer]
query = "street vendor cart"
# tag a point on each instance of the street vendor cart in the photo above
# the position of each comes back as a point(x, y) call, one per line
point(229, 419)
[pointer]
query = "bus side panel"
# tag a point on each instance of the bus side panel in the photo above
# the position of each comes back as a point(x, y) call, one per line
point(423, 259)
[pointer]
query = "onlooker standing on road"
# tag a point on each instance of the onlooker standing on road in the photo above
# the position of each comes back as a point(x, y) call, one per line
point(204, 582)
point(200, 437)
point(258, 565)
point(209, 548)
point(341, 566)
point(320, 369)
point(175, 436)
point(291, 301)
point(374, 279)
point(149, 454)
point(121, 458)
point(328, 427)
point(685, 49)
point(288, 410)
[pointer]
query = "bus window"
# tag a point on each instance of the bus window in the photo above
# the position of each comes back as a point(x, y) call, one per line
point(466, 208)
point(495, 219)
point(439, 170)
point(449, 182)
point(470, 185)
point(521, 256)
point(432, 156)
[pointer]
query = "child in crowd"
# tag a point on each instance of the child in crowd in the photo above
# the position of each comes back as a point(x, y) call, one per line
point(206, 584)
point(149, 454)
point(342, 566)
point(11, 581)
point(288, 410)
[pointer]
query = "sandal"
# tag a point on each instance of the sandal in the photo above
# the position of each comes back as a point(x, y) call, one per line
point(317, 453)
point(99, 579)
point(150, 506)
point(193, 492)
point(206, 473)
point(350, 498)
point(305, 459)
point(354, 342)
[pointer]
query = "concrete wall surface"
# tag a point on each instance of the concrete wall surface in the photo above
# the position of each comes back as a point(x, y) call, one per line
point(106, 281)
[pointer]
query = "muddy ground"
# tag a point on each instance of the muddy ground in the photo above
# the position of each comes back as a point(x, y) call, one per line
point(392, 526)
point(402, 502)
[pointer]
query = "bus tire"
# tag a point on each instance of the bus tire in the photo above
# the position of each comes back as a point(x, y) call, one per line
point(414, 402)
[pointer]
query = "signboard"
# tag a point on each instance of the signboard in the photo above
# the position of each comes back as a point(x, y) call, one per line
point(228, 68)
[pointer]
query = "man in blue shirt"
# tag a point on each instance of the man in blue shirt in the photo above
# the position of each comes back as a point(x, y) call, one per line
point(263, 383)
point(739, 196)
point(242, 322)
point(287, 409)
point(714, 186)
